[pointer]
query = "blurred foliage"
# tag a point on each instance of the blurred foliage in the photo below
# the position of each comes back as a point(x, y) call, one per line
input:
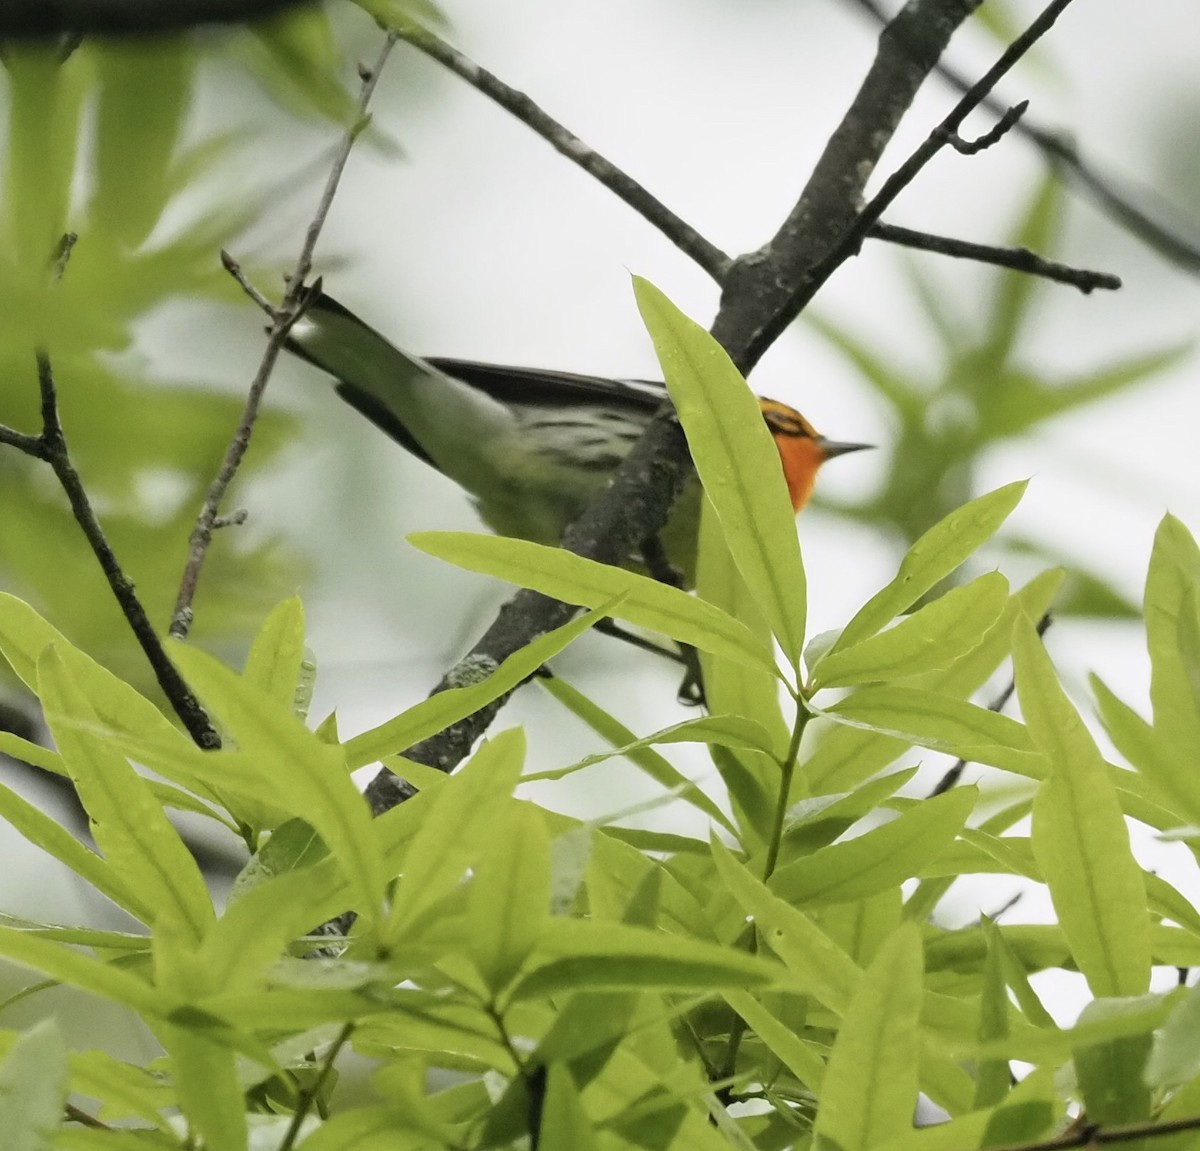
point(101, 143)
point(985, 392)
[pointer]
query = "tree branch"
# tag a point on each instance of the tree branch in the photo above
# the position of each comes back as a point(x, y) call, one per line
point(1060, 150)
point(689, 241)
point(290, 309)
point(763, 293)
point(762, 334)
point(51, 447)
point(38, 18)
point(636, 504)
point(1018, 259)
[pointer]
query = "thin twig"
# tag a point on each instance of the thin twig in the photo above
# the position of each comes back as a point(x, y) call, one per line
point(1126, 207)
point(282, 318)
point(994, 135)
point(951, 778)
point(52, 447)
point(851, 238)
point(1018, 259)
point(309, 1095)
point(1089, 1135)
point(74, 1114)
point(689, 241)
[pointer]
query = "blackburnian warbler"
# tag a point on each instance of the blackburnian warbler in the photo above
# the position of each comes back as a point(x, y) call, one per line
point(531, 447)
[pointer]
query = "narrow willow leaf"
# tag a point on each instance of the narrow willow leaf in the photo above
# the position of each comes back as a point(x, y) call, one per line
point(564, 1121)
point(129, 825)
point(800, 1058)
point(47, 833)
point(870, 1087)
point(814, 823)
point(310, 775)
point(928, 640)
point(846, 756)
point(144, 92)
point(942, 723)
point(1138, 742)
point(1175, 1057)
point(738, 463)
point(993, 1077)
point(444, 708)
point(1111, 1074)
point(204, 1073)
point(509, 899)
point(33, 1088)
point(1173, 578)
point(825, 970)
point(45, 105)
point(273, 663)
point(878, 859)
point(300, 61)
point(640, 751)
point(933, 557)
point(565, 576)
point(579, 953)
point(1080, 838)
point(454, 827)
point(65, 964)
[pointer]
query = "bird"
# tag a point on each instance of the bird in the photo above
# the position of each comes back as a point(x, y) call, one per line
point(530, 446)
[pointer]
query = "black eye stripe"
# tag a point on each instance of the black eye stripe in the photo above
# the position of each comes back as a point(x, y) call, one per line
point(786, 425)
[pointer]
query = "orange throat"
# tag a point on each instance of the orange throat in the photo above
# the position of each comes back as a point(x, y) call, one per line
point(801, 457)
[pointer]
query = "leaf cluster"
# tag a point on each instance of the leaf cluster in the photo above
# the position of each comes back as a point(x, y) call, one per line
point(519, 977)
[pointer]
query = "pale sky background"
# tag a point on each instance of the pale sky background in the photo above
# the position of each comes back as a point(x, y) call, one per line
point(484, 243)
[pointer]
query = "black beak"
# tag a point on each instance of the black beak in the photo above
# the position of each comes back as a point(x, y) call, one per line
point(831, 448)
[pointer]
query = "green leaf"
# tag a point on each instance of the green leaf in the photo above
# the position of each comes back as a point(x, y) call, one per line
point(993, 1077)
point(311, 775)
point(509, 899)
point(444, 708)
point(1173, 577)
point(401, 13)
point(1111, 1073)
point(129, 825)
point(65, 964)
point(879, 859)
point(454, 828)
point(639, 751)
point(565, 576)
point(870, 1087)
point(929, 640)
point(45, 106)
point(799, 1057)
point(845, 756)
point(821, 965)
point(205, 1077)
point(1080, 838)
point(1175, 1056)
point(145, 90)
point(33, 1088)
point(737, 461)
point(577, 954)
point(814, 823)
point(564, 1121)
point(47, 833)
point(273, 663)
point(933, 557)
point(299, 61)
point(942, 723)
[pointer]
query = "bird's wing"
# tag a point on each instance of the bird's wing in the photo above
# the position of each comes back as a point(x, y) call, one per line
point(540, 387)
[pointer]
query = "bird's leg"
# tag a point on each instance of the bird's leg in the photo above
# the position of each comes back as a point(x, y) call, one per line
point(654, 556)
